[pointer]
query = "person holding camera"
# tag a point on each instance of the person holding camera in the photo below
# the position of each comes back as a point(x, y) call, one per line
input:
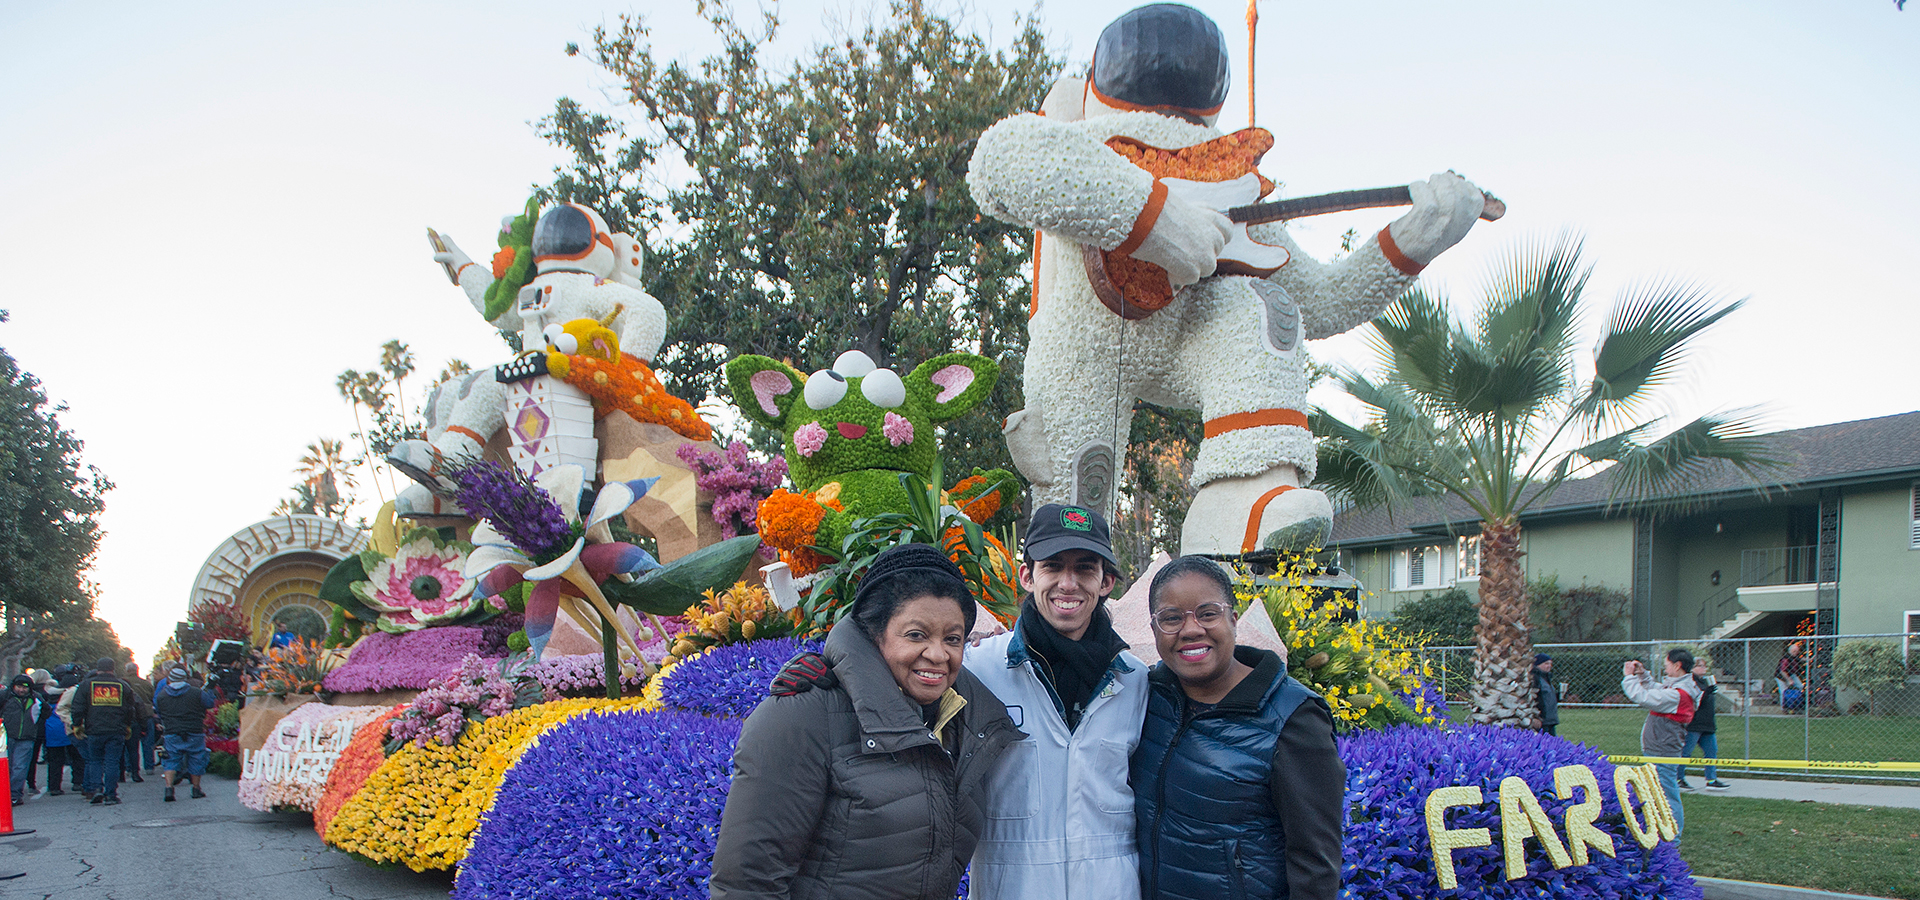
point(1669, 703)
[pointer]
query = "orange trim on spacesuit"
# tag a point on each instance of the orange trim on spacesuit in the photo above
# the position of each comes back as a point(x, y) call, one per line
point(1163, 108)
point(1033, 305)
point(1391, 251)
point(1143, 223)
point(469, 433)
point(1255, 419)
point(1252, 537)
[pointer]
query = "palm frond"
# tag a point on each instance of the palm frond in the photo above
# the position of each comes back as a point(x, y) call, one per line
point(1647, 336)
point(1675, 465)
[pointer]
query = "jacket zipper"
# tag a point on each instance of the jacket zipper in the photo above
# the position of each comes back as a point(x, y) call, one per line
point(1160, 787)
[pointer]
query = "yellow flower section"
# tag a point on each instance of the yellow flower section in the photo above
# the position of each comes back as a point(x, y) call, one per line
point(422, 806)
point(650, 696)
point(1358, 666)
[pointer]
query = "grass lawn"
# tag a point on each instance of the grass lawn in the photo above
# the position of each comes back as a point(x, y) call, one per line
point(1869, 738)
point(1850, 849)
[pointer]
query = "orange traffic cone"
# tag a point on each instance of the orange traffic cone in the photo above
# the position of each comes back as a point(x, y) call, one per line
point(6, 812)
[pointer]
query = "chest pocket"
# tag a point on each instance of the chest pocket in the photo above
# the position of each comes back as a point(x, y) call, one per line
point(1107, 782)
point(872, 781)
point(1012, 789)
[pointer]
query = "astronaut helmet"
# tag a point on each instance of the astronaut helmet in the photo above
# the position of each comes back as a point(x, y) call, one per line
point(572, 237)
point(1163, 57)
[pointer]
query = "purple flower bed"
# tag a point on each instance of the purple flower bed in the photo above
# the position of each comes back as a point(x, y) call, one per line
point(1390, 773)
point(729, 680)
point(579, 675)
point(641, 794)
point(413, 660)
point(494, 632)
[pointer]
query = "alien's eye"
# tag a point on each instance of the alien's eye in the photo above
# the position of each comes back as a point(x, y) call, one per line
point(884, 388)
point(553, 332)
point(824, 389)
point(567, 344)
point(853, 364)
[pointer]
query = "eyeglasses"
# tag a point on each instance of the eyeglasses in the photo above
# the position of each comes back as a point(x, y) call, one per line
point(1170, 621)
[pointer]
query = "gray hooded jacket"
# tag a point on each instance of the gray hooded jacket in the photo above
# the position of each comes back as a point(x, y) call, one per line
point(845, 793)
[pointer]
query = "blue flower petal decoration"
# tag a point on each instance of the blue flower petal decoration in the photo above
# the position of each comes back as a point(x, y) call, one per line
point(729, 680)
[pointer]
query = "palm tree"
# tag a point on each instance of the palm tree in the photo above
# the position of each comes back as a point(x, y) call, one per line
point(324, 475)
point(1493, 415)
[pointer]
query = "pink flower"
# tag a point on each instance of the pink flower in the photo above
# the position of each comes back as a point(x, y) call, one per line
point(419, 585)
point(809, 438)
point(897, 429)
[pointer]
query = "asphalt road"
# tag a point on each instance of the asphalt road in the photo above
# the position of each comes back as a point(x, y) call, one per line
point(211, 849)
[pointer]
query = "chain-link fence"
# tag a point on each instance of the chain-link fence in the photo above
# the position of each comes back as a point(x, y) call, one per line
point(1816, 702)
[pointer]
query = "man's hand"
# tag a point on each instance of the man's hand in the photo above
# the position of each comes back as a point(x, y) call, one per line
point(1186, 240)
point(1444, 208)
point(985, 625)
point(802, 674)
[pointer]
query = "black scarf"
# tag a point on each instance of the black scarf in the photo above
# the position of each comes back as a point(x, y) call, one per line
point(1073, 667)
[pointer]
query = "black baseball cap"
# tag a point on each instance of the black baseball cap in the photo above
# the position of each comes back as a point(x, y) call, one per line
point(1057, 528)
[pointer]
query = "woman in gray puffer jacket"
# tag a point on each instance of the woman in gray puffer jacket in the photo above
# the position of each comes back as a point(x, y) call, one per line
point(865, 785)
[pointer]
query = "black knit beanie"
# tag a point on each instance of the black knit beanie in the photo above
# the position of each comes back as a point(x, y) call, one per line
point(919, 559)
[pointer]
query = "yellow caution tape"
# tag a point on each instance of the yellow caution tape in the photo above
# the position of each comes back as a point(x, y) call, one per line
point(1725, 762)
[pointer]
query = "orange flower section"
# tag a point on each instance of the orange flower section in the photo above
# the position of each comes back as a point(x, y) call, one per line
point(789, 523)
point(629, 385)
point(979, 508)
point(362, 756)
point(998, 559)
point(501, 261)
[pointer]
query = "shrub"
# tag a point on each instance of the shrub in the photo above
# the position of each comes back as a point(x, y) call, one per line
point(1367, 677)
point(1443, 620)
point(1868, 666)
point(225, 765)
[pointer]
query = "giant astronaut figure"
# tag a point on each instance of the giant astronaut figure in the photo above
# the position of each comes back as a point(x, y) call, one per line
point(1226, 345)
point(584, 271)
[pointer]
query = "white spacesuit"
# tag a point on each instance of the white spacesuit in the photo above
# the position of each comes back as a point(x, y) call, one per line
point(1226, 345)
point(585, 271)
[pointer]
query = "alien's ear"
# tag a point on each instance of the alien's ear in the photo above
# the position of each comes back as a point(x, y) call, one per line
point(952, 383)
point(764, 388)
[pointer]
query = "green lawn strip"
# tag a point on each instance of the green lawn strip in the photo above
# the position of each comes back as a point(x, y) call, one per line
point(1868, 738)
point(1849, 849)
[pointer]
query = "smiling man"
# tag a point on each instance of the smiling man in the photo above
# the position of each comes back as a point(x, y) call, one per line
point(1059, 810)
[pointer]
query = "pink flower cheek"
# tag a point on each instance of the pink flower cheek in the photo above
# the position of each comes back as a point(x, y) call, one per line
point(809, 438)
point(897, 429)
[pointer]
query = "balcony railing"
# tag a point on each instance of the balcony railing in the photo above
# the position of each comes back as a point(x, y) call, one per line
point(1778, 565)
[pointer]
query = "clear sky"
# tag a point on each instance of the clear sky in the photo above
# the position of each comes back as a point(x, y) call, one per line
point(214, 208)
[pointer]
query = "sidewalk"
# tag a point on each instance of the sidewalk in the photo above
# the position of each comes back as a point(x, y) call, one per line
point(211, 849)
point(1880, 795)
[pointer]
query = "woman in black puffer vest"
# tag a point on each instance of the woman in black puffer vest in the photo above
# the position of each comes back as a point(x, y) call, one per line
point(1237, 783)
point(866, 785)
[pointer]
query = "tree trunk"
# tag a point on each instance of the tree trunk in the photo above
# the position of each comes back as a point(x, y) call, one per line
point(1503, 691)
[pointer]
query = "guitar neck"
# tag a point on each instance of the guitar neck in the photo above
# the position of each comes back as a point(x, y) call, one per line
point(1300, 207)
point(1342, 201)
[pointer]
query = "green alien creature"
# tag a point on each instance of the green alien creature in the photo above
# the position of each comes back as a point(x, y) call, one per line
point(850, 431)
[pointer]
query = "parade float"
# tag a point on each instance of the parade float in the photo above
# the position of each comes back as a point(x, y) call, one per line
point(551, 640)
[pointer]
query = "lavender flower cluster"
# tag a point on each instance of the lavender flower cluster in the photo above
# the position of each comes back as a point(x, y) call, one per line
point(729, 680)
point(1390, 773)
point(644, 793)
point(737, 484)
point(441, 712)
point(579, 675)
point(520, 510)
point(411, 660)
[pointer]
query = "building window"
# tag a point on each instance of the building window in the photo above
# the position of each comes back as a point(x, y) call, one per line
point(1911, 645)
point(1468, 554)
point(1913, 520)
point(1419, 568)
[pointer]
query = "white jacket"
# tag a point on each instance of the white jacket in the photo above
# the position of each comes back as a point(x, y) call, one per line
point(1060, 822)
